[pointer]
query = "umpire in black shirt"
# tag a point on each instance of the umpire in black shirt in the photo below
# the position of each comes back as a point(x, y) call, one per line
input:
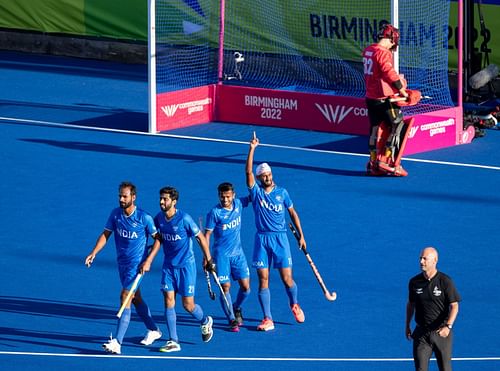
point(433, 299)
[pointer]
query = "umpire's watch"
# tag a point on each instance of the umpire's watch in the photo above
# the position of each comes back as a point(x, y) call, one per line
point(449, 326)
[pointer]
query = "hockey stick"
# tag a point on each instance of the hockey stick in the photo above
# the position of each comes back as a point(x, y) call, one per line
point(217, 282)
point(329, 296)
point(402, 99)
point(131, 292)
point(211, 293)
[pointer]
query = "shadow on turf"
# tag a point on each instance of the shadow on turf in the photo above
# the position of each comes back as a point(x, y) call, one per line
point(10, 336)
point(50, 308)
point(350, 145)
point(106, 148)
point(50, 339)
point(126, 120)
point(104, 117)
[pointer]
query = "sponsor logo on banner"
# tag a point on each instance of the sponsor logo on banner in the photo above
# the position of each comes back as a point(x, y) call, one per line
point(191, 107)
point(335, 114)
point(435, 128)
point(413, 131)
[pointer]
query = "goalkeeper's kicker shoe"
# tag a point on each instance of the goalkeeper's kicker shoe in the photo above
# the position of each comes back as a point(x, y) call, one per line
point(396, 171)
point(298, 313)
point(399, 171)
point(151, 336)
point(112, 346)
point(206, 330)
point(267, 324)
point(372, 169)
point(170, 346)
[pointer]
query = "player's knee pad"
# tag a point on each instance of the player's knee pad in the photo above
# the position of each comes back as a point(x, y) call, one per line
point(396, 127)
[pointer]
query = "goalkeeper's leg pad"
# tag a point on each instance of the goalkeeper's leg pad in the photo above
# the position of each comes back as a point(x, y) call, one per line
point(389, 159)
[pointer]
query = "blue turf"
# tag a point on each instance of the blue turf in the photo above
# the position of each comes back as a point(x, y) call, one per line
point(59, 184)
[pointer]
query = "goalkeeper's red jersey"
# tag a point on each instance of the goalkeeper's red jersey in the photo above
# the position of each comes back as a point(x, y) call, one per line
point(379, 72)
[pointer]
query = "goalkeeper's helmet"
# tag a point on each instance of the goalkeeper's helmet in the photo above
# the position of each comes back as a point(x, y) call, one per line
point(388, 31)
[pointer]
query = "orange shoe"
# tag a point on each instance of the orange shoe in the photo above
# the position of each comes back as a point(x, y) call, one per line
point(384, 166)
point(266, 325)
point(298, 313)
point(399, 171)
point(392, 170)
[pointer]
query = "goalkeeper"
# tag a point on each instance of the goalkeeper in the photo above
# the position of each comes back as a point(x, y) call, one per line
point(383, 82)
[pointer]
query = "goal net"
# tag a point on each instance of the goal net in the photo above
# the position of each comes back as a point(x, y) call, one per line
point(311, 46)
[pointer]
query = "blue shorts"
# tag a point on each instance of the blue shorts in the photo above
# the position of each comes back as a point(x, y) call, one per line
point(181, 280)
point(235, 267)
point(271, 248)
point(127, 275)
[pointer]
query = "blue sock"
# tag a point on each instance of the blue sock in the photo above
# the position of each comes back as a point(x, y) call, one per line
point(292, 294)
point(197, 313)
point(265, 302)
point(143, 311)
point(122, 326)
point(229, 313)
point(241, 298)
point(171, 318)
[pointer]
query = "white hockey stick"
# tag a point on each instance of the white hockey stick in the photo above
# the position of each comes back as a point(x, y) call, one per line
point(133, 289)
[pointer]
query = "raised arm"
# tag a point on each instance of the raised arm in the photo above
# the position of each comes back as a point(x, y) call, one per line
point(249, 164)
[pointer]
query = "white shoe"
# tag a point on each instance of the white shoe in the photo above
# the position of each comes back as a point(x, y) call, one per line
point(151, 336)
point(170, 346)
point(206, 330)
point(112, 346)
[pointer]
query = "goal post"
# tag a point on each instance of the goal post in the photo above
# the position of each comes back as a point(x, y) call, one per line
point(152, 128)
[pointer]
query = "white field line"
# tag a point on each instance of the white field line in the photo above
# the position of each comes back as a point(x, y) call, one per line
point(49, 123)
point(245, 359)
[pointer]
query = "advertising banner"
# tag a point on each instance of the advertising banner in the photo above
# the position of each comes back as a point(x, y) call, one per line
point(184, 108)
point(347, 115)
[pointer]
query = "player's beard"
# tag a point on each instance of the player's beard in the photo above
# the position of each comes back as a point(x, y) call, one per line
point(266, 183)
point(165, 209)
point(125, 205)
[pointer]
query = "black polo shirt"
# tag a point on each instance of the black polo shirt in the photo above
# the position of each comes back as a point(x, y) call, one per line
point(432, 299)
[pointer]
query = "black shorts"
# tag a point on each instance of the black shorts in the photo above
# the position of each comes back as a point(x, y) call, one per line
point(382, 110)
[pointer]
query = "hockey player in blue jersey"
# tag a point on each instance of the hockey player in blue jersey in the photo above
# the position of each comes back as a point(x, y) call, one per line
point(177, 229)
point(131, 227)
point(271, 246)
point(224, 222)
